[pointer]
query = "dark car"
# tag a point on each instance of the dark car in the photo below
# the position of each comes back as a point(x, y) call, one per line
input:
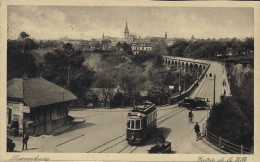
point(194, 103)
point(201, 104)
point(164, 148)
point(187, 102)
point(10, 145)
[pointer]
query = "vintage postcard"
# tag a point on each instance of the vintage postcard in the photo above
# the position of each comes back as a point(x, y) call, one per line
point(129, 81)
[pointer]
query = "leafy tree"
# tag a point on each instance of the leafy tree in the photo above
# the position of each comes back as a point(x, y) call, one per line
point(65, 65)
point(117, 100)
point(23, 35)
point(178, 48)
point(158, 95)
point(19, 62)
point(228, 120)
point(106, 85)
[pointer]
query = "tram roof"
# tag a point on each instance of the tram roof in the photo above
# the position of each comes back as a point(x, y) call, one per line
point(144, 107)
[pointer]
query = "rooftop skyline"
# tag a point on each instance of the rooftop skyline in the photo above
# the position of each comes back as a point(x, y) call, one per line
point(87, 22)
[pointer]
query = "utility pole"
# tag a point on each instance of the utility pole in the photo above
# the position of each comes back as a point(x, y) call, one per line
point(184, 81)
point(214, 89)
point(68, 82)
point(180, 81)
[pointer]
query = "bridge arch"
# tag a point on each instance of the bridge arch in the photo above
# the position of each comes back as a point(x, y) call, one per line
point(187, 65)
point(196, 66)
point(200, 66)
point(191, 65)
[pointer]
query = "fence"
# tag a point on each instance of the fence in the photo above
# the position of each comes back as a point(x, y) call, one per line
point(226, 145)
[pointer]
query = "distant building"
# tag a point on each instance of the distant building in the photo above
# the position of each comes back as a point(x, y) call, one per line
point(37, 105)
point(141, 45)
point(126, 32)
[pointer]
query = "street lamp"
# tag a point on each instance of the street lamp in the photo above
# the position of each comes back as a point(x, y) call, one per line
point(184, 82)
point(214, 89)
point(180, 81)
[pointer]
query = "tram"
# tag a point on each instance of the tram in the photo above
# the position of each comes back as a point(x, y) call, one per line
point(141, 123)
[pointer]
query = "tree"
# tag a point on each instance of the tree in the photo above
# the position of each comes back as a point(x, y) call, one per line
point(117, 100)
point(158, 95)
point(106, 87)
point(64, 67)
point(19, 62)
point(23, 35)
point(237, 127)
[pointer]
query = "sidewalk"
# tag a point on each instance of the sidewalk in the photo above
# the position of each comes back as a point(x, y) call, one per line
point(34, 143)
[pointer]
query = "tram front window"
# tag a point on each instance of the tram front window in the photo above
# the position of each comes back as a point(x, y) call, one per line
point(132, 124)
point(137, 124)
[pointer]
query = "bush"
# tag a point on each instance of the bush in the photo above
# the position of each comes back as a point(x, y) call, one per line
point(230, 120)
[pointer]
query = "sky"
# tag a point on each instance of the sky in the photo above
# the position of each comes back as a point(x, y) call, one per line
point(87, 22)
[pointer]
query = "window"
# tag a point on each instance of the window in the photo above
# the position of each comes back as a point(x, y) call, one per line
point(137, 124)
point(128, 123)
point(132, 124)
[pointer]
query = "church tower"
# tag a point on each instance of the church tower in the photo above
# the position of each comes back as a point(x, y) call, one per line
point(126, 31)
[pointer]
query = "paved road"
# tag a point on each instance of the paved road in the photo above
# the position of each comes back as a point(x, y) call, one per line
point(104, 130)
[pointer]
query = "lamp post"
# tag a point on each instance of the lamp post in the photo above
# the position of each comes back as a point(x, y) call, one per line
point(184, 83)
point(68, 82)
point(180, 82)
point(214, 89)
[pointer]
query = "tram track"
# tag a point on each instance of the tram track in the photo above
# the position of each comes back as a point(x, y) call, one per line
point(115, 142)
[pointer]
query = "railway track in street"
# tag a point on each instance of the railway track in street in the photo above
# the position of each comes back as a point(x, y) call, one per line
point(119, 143)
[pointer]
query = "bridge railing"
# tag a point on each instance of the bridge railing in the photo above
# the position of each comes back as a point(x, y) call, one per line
point(225, 145)
point(186, 93)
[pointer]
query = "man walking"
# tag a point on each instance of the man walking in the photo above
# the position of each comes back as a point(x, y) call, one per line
point(25, 140)
point(190, 116)
point(197, 130)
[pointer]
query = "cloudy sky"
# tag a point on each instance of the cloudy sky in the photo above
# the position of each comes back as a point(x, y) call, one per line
point(54, 22)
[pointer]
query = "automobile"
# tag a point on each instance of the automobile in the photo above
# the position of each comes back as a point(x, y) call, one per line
point(164, 148)
point(196, 103)
point(187, 102)
point(10, 145)
point(200, 104)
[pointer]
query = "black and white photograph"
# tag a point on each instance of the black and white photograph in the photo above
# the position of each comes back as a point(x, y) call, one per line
point(135, 80)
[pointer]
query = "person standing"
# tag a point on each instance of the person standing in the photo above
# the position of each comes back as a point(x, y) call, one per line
point(190, 116)
point(25, 140)
point(197, 130)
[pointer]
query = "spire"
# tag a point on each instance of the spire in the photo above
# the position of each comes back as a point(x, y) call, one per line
point(126, 28)
point(126, 31)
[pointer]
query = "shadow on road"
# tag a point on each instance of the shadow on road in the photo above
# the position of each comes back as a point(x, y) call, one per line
point(74, 127)
point(154, 138)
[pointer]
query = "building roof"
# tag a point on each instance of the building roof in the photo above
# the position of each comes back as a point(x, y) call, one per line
point(142, 41)
point(37, 92)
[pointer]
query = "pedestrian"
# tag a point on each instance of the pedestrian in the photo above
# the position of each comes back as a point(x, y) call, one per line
point(197, 130)
point(225, 92)
point(161, 141)
point(25, 140)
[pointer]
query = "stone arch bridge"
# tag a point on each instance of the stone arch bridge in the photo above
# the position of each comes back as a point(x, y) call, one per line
point(185, 62)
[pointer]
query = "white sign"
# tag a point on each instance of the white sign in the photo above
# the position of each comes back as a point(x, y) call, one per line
point(25, 109)
point(171, 87)
point(179, 88)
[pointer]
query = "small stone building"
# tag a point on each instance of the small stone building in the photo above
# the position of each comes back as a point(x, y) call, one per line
point(38, 105)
